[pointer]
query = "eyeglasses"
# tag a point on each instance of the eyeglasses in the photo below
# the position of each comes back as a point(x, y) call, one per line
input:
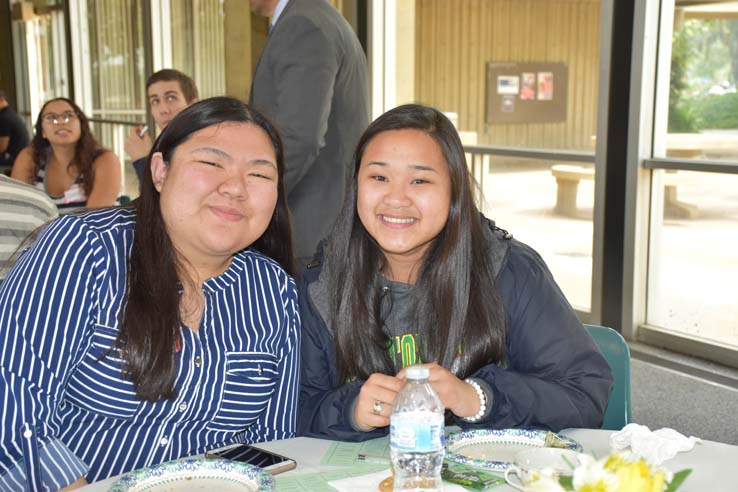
point(63, 118)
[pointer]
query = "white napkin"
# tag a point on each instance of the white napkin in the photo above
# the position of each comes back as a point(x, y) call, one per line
point(653, 446)
point(370, 483)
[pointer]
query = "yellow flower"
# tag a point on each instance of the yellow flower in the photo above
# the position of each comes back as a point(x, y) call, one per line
point(591, 476)
point(636, 477)
point(614, 461)
point(614, 473)
point(599, 486)
point(658, 481)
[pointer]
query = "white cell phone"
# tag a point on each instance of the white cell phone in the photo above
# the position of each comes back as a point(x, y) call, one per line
point(271, 462)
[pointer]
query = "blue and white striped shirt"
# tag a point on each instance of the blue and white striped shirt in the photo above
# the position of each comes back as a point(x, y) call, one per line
point(66, 409)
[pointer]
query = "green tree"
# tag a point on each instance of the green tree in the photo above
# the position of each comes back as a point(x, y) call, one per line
point(730, 37)
point(681, 119)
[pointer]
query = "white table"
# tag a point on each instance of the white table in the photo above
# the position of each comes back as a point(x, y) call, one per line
point(714, 465)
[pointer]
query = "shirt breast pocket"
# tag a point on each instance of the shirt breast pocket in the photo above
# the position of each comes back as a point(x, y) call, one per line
point(250, 379)
point(97, 385)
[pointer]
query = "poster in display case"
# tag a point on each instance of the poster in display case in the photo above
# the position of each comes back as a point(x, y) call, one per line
point(526, 92)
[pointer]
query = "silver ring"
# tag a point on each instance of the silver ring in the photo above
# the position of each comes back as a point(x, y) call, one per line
point(377, 408)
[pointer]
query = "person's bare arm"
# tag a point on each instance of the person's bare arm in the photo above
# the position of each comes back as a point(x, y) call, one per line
point(106, 187)
point(23, 167)
point(4, 142)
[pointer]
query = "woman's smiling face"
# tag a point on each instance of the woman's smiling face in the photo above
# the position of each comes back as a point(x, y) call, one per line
point(219, 191)
point(404, 196)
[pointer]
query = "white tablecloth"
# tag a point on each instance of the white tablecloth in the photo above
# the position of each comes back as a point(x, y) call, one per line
point(714, 465)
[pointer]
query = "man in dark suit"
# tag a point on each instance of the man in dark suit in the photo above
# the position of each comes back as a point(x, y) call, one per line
point(312, 82)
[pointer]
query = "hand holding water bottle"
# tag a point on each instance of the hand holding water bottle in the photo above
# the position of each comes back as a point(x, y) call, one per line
point(456, 394)
point(374, 403)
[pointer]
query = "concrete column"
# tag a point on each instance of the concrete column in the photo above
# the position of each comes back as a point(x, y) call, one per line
point(405, 49)
point(238, 48)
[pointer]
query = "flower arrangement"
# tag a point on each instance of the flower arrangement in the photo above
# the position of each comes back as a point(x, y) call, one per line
point(614, 473)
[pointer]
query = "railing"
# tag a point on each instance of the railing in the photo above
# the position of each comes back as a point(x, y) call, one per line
point(478, 160)
point(111, 134)
point(700, 165)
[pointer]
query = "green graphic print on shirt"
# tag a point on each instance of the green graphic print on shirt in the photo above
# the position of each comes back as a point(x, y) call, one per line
point(405, 348)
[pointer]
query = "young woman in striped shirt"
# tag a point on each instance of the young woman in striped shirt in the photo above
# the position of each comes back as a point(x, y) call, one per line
point(133, 336)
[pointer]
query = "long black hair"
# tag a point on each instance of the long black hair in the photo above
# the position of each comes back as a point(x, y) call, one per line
point(151, 318)
point(457, 303)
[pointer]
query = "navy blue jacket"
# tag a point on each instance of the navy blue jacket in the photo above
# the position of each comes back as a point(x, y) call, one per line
point(553, 375)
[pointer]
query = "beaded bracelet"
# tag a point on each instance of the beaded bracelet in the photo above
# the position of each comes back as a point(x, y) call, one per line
point(482, 401)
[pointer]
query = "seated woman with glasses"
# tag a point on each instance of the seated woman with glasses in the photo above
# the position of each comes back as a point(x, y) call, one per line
point(136, 335)
point(413, 273)
point(66, 162)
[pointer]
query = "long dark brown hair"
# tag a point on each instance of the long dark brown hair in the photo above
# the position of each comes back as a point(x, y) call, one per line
point(151, 318)
point(85, 152)
point(457, 303)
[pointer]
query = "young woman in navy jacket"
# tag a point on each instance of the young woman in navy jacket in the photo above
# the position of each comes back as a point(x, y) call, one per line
point(414, 273)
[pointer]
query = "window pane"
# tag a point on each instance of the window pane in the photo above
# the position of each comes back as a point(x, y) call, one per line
point(524, 197)
point(703, 103)
point(519, 74)
point(116, 50)
point(693, 266)
point(117, 58)
point(198, 47)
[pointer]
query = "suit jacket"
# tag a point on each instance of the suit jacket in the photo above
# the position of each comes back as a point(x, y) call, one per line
point(312, 82)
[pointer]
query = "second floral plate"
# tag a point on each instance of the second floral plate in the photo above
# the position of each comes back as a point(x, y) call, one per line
point(495, 449)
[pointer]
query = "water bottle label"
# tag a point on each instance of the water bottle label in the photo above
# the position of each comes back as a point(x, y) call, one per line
point(416, 432)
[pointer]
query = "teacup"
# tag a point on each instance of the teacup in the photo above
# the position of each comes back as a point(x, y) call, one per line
point(530, 464)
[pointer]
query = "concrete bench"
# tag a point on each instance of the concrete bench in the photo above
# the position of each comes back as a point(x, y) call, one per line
point(673, 207)
point(567, 183)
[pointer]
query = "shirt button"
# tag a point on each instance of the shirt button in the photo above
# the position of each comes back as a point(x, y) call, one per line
point(182, 406)
point(164, 441)
point(198, 361)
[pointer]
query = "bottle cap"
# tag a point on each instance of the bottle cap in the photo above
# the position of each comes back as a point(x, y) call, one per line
point(417, 372)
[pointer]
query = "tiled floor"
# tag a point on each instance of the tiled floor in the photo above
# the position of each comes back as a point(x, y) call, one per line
point(666, 398)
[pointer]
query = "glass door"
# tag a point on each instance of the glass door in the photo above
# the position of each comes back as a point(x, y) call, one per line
point(688, 174)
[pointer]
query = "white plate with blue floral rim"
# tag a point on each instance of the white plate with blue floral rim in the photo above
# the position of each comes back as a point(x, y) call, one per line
point(495, 449)
point(196, 474)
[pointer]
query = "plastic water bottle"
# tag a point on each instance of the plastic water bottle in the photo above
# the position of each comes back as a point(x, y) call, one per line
point(416, 435)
